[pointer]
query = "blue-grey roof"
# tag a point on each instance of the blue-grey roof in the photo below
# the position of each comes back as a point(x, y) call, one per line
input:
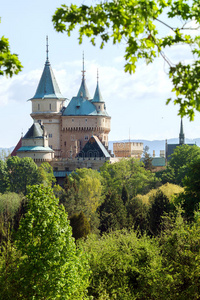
point(83, 91)
point(35, 131)
point(94, 148)
point(48, 87)
point(97, 95)
point(79, 106)
point(35, 149)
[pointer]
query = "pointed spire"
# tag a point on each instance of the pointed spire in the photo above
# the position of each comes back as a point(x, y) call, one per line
point(83, 91)
point(83, 71)
point(97, 95)
point(181, 135)
point(47, 48)
point(48, 87)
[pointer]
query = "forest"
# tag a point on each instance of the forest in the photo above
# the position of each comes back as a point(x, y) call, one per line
point(124, 232)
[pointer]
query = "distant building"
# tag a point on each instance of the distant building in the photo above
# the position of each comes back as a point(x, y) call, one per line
point(169, 148)
point(128, 149)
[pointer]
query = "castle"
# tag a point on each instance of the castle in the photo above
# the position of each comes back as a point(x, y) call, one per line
point(61, 129)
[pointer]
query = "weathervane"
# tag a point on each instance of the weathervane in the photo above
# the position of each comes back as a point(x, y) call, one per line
point(97, 75)
point(47, 48)
point(83, 67)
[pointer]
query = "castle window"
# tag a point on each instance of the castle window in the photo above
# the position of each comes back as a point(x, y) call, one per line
point(99, 106)
point(72, 120)
point(38, 106)
point(50, 146)
point(50, 135)
point(86, 137)
point(64, 143)
point(50, 106)
point(85, 120)
point(72, 137)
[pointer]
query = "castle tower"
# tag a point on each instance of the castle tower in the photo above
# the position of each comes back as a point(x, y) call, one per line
point(181, 134)
point(47, 104)
point(103, 123)
point(83, 118)
point(35, 145)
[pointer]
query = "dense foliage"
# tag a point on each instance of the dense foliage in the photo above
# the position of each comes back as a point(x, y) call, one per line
point(46, 264)
point(133, 238)
point(18, 173)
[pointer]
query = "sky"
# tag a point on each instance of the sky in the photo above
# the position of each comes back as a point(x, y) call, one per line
point(136, 103)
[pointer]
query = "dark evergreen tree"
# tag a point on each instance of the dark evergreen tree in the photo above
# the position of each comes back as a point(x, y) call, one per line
point(137, 214)
point(125, 196)
point(147, 159)
point(159, 206)
point(113, 214)
point(80, 226)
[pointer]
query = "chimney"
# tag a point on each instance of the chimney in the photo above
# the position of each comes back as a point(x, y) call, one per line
point(154, 153)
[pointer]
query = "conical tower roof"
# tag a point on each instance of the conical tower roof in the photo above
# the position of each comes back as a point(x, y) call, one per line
point(83, 91)
point(97, 95)
point(35, 131)
point(48, 87)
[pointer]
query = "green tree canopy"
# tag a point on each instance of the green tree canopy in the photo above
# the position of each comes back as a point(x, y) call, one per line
point(179, 164)
point(47, 266)
point(9, 63)
point(83, 193)
point(123, 266)
point(128, 173)
point(137, 23)
point(17, 173)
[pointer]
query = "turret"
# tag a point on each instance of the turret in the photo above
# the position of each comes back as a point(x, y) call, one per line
point(98, 99)
point(83, 91)
point(48, 97)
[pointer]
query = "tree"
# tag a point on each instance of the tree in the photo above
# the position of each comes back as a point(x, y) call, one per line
point(179, 164)
point(137, 24)
point(21, 173)
point(48, 265)
point(46, 173)
point(83, 194)
point(137, 212)
point(9, 63)
point(80, 226)
point(180, 248)
point(129, 173)
point(190, 198)
point(9, 206)
point(4, 180)
point(113, 214)
point(124, 266)
point(17, 173)
point(147, 159)
point(160, 205)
